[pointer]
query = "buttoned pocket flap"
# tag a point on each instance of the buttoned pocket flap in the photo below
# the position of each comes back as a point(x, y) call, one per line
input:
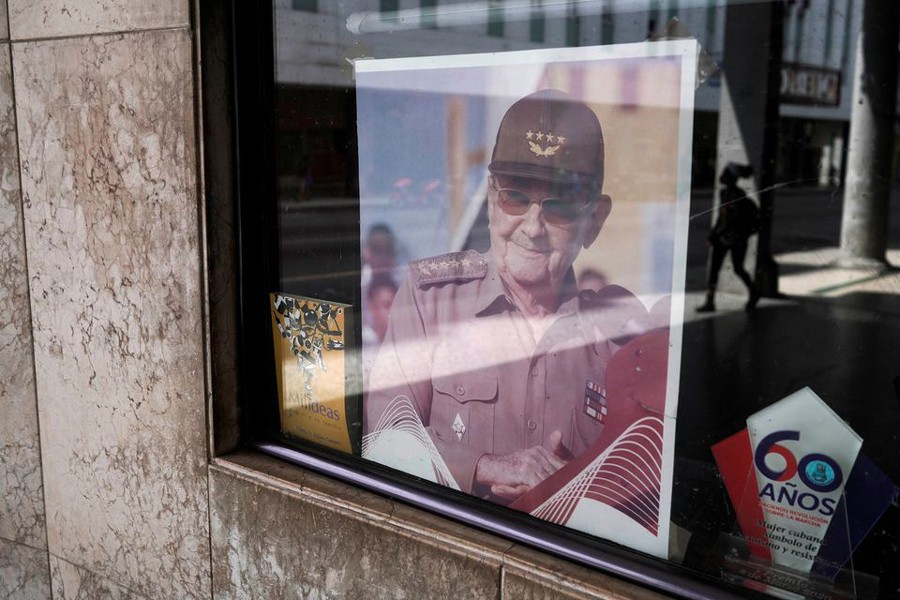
point(467, 387)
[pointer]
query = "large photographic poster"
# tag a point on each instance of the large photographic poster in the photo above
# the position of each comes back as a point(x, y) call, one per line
point(523, 221)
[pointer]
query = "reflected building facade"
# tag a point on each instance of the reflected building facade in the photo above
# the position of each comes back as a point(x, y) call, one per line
point(316, 44)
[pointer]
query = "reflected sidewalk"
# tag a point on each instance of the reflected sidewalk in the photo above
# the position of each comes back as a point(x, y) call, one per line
point(812, 274)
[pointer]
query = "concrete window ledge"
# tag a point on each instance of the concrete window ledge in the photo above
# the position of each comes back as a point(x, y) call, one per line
point(291, 532)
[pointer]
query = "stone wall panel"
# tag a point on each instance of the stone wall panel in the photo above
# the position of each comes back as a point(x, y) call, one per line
point(29, 19)
point(24, 574)
point(21, 493)
point(270, 543)
point(4, 21)
point(106, 130)
point(71, 582)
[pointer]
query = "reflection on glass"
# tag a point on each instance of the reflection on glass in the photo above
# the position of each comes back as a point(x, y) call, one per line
point(778, 89)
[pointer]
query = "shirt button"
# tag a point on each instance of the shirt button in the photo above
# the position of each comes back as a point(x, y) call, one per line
point(531, 425)
point(460, 390)
point(534, 372)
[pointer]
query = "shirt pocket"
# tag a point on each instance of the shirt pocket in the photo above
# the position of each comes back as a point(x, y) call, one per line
point(587, 430)
point(462, 407)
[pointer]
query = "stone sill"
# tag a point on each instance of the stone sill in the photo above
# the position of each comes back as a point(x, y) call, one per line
point(520, 569)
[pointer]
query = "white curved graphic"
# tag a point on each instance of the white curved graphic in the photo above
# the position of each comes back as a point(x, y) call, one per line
point(626, 476)
point(400, 440)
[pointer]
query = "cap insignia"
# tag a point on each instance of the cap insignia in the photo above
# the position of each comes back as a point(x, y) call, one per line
point(553, 142)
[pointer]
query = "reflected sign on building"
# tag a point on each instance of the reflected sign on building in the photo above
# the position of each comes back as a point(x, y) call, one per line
point(804, 84)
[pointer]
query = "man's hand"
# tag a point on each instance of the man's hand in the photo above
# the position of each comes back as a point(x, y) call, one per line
point(511, 475)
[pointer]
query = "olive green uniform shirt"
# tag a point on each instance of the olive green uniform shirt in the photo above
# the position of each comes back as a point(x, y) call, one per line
point(481, 383)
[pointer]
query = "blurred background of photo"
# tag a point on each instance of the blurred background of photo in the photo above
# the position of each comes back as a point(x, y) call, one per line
point(426, 136)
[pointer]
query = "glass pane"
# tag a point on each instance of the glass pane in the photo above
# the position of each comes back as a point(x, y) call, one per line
point(481, 291)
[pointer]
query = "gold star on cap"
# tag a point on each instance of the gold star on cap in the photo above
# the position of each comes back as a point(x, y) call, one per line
point(539, 149)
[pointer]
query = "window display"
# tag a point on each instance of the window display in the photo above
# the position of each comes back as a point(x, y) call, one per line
point(493, 252)
point(500, 373)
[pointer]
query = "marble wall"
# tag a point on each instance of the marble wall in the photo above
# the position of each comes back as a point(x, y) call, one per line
point(320, 542)
point(109, 186)
point(23, 537)
point(30, 19)
point(102, 120)
point(24, 572)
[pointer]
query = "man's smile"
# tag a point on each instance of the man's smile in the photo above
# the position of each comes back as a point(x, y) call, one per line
point(529, 245)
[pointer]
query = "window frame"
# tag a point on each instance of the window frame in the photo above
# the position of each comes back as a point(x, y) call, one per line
point(252, 35)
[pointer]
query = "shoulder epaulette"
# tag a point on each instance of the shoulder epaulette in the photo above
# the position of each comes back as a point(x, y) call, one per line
point(454, 266)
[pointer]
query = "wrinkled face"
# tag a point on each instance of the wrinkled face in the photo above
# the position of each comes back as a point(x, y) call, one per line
point(531, 250)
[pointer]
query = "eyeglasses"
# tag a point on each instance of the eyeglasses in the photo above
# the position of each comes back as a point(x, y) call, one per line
point(561, 212)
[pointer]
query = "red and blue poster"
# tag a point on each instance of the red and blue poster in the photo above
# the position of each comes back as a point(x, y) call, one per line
point(804, 493)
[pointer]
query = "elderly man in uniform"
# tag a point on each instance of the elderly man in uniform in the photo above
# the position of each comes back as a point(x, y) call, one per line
point(495, 364)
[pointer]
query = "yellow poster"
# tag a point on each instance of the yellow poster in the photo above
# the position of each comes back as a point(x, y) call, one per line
point(310, 367)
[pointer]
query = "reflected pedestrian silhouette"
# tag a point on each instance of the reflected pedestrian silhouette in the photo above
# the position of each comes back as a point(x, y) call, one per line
point(738, 219)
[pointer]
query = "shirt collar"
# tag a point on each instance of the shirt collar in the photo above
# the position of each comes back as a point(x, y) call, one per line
point(492, 297)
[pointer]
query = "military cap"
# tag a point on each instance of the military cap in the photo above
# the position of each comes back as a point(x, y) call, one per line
point(550, 135)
